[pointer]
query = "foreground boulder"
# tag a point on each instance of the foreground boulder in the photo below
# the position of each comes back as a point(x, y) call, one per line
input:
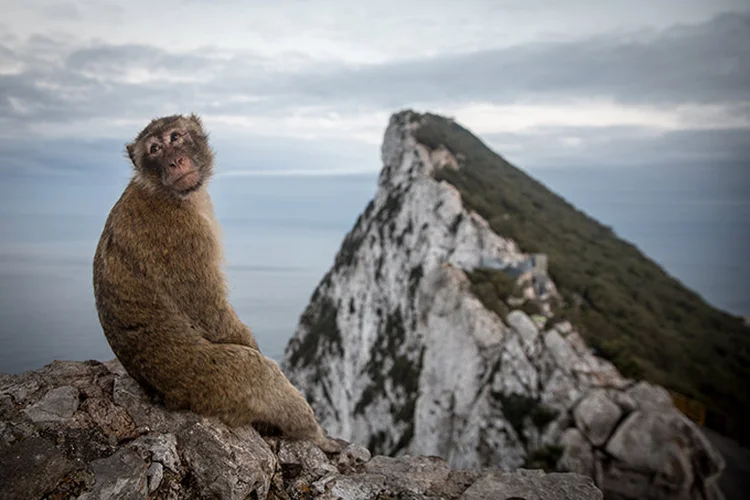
point(86, 430)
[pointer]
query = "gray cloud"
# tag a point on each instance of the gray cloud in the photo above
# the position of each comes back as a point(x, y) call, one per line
point(621, 147)
point(65, 10)
point(60, 84)
point(707, 63)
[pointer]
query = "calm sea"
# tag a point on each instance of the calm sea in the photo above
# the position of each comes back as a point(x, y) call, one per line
point(281, 235)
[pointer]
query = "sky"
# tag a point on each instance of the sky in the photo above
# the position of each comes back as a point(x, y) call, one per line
point(295, 86)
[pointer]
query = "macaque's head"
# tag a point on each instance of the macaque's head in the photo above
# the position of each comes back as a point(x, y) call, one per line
point(172, 154)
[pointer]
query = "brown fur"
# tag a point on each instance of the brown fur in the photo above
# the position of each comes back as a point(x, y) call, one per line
point(162, 297)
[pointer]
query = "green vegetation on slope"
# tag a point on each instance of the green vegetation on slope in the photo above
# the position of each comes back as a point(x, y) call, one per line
point(646, 322)
point(493, 288)
point(321, 322)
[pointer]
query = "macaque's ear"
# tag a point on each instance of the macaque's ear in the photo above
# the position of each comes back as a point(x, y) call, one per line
point(131, 153)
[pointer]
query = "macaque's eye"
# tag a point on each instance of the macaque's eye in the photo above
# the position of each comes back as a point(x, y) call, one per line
point(174, 136)
point(154, 148)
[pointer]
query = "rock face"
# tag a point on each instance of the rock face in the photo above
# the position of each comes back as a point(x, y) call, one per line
point(86, 430)
point(396, 352)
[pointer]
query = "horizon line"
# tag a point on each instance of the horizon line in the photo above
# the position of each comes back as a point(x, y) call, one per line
point(296, 173)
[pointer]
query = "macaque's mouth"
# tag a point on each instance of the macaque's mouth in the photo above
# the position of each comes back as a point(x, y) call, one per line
point(188, 180)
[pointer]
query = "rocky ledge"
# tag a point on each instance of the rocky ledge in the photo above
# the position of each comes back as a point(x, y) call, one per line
point(86, 430)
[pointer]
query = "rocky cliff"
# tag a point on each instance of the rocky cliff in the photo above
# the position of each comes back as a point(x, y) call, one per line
point(397, 352)
point(86, 430)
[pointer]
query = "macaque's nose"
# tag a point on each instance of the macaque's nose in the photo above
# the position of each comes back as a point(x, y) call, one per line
point(178, 162)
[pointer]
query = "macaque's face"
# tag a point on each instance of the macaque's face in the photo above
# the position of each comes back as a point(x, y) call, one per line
point(173, 153)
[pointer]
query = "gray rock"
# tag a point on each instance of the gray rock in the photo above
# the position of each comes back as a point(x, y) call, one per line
point(675, 475)
point(155, 474)
point(707, 460)
point(577, 453)
point(352, 457)
point(554, 431)
point(526, 328)
point(623, 400)
point(561, 391)
point(562, 351)
point(620, 481)
point(123, 475)
point(19, 387)
point(564, 327)
point(416, 475)
point(532, 485)
point(229, 463)
point(575, 341)
point(664, 446)
point(146, 415)
point(407, 477)
point(359, 487)
point(58, 404)
point(304, 456)
point(596, 416)
point(113, 420)
point(640, 438)
point(599, 459)
point(516, 375)
point(70, 372)
point(31, 468)
point(161, 448)
point(650, 397)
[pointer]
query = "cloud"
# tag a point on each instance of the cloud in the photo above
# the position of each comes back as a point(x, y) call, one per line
point(623, 98)
point(606, 147)
point(64, 10)
point(705, 64)
point(46, 81)
point(489, 118)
